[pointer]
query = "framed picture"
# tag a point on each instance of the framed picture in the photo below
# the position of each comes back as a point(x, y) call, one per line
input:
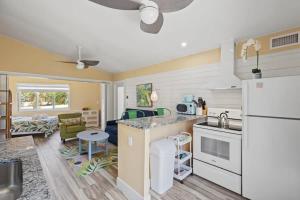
point(143, 95)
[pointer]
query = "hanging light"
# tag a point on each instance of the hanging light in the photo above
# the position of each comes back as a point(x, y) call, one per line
point(154, 96)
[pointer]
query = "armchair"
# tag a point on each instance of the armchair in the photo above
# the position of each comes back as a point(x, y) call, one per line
point(70, 124)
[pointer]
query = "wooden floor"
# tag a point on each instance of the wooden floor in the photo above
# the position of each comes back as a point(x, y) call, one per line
point(65, 185)
point(2, 135)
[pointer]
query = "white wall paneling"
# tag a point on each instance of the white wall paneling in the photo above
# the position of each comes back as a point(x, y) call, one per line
point(286, 63)
point(172, 86)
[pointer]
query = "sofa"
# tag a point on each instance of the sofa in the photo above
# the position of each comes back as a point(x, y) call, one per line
point(70, 124)
point(112, 126)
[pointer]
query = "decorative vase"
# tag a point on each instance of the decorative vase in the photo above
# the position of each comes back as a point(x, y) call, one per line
point(257, 75)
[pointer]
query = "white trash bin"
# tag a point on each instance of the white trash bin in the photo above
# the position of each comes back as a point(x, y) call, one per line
point(162, 158)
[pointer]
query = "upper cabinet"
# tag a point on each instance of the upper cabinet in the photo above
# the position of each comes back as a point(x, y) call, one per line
point(227, 77)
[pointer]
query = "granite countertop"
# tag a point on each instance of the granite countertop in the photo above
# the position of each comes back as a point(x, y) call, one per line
point(157, 121)
point(34, 183)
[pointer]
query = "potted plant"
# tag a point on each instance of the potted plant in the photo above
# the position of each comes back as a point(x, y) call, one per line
point(244, 54)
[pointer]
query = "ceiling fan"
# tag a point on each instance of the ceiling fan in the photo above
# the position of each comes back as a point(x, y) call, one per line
point(151, 11)
point(82, 64)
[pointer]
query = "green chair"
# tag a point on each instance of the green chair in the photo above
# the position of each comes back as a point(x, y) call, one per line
point(70, 124)
point(163, 111)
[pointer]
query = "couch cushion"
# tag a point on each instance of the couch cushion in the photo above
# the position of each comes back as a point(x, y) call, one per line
point(112, 130)
point(71, 121)
point(76, 128)
point(132, 114)
point(143, 113)
point(113, 139)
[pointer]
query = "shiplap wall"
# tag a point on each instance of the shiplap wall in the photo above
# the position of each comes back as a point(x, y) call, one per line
point(286, 63)
point(172, 86)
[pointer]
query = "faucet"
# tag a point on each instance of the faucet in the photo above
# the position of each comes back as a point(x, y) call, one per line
point(223, 120)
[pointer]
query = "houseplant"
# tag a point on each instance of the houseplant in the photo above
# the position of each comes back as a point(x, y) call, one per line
point(244, 54)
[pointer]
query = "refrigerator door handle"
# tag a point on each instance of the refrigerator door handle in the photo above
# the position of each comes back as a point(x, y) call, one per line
point(245, 97)
point(245, 133)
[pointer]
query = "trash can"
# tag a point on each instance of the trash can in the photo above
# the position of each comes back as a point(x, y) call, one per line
point(162, 158)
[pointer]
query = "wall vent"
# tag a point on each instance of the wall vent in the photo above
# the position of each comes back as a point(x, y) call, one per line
point(285, 40)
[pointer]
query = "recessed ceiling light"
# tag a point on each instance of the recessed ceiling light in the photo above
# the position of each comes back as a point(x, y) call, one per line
point(183, 44)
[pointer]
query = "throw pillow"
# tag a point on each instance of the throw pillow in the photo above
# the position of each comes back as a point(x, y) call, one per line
point(71, 121)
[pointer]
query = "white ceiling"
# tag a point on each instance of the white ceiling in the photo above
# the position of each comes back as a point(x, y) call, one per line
point(114, 37)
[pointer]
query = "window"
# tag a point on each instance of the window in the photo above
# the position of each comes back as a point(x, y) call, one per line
point(43, 97)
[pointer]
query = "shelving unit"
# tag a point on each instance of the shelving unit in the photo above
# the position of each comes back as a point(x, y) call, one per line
point(183, 158)
point(5, 108)
point(91, 117)
point(5, 113)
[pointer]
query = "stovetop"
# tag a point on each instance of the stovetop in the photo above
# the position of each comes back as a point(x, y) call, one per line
point(236, 129)
point(234, 118)
point(231, 127)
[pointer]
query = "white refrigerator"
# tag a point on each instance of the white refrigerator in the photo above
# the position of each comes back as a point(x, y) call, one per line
point(271, 139)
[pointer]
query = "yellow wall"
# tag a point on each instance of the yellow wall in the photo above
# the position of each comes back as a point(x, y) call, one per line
point(16, 56)
point(207, 57)
point(82, 94)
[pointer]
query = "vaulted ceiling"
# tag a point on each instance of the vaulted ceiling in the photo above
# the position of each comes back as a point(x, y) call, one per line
point(114, 36)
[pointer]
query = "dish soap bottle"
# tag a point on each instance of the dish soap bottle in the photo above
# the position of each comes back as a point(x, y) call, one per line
point(204, 108)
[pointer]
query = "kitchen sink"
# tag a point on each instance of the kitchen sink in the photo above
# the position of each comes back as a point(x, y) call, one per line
point(11, 179)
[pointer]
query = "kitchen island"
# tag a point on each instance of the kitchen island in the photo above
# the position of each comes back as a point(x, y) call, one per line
point(34, 183)
point(134, 139)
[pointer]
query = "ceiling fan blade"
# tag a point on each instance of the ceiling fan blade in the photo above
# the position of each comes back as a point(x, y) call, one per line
point(153, 28)
point(119, 4)
point(68, 62)
point(90, 62)
point(172, 5)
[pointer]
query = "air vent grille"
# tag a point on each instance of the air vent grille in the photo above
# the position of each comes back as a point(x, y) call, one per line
point(285, 40)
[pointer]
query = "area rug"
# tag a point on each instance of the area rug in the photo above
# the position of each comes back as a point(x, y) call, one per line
point(80, 163)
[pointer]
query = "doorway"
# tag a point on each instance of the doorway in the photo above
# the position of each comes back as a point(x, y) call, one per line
point(120, 100)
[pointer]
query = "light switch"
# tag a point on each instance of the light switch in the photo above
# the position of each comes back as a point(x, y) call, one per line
point(130, 141)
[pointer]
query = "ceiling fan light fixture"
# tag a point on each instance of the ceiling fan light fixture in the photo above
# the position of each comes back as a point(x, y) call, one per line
point(80, 65)
point(149, 12)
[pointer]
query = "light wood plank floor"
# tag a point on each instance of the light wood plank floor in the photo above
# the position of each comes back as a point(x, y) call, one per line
point(65, 185)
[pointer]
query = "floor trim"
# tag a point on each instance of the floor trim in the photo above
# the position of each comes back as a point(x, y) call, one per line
point(129, 192)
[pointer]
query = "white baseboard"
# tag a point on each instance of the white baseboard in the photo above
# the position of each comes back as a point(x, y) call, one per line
point(129, 192)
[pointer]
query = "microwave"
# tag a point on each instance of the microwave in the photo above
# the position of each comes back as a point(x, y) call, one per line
point(186, 108)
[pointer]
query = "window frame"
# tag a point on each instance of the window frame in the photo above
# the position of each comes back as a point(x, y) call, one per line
point(40, 90)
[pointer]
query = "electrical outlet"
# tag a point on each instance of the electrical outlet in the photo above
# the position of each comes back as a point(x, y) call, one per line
point(130, 140)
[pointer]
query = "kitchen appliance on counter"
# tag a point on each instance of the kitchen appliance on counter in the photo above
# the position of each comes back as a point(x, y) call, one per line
point(271, 138)
point(187, 106)
point(218, 148)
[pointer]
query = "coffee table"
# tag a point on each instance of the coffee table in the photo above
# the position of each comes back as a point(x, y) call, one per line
point(93, 137)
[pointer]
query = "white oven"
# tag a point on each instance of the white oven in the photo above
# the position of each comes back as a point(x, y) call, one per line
point(217, 152)
point(218, 148)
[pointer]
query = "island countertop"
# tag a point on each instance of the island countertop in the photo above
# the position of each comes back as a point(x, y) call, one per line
point(157, 121)
point(34, 183)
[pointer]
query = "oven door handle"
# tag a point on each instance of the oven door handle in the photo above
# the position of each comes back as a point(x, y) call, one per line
point(221, 136)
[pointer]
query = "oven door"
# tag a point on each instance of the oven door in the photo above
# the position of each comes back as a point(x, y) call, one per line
point(218, 148)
